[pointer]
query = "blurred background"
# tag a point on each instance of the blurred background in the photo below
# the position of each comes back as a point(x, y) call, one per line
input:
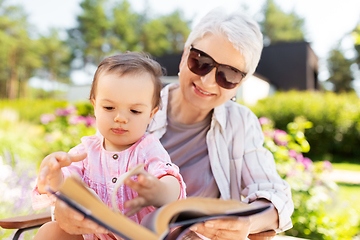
point(305, 90)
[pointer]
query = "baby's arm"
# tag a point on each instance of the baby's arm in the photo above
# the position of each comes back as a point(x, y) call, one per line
point(152, 191)
point(50, 169)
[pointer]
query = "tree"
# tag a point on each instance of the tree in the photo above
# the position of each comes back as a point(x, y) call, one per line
point(56, 57)
point(153, 37)
point(100, 33)
point(177, 31)
point(22, 57)
point(126, 28)
point(165, 35)
point(89, 40)
point(340, 73)
point(356, 36)
point(18, 53)
point(278, 26)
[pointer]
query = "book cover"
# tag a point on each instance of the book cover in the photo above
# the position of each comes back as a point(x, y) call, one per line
point(169, 222)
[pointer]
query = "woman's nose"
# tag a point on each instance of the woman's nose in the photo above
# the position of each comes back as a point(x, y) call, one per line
point(209, 79)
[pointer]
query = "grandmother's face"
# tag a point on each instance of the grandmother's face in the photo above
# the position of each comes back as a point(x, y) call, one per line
point(203, 91)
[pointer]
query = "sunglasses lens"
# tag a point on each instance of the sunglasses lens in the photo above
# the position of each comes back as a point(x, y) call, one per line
point(199, 64)
point(228, 77)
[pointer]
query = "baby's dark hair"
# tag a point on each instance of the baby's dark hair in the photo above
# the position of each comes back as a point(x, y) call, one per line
point(131, 63)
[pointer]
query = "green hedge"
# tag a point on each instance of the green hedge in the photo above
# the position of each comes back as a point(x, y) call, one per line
point(31, 110)
point(335, 118)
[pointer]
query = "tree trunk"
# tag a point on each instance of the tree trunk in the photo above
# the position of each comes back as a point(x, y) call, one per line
point(13, 84)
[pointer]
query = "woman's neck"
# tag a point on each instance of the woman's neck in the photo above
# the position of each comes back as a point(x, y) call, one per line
point(183, 112)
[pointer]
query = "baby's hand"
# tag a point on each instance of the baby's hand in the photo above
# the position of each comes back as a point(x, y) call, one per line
point(151, 191)
point(50, 169)
point(147, 186)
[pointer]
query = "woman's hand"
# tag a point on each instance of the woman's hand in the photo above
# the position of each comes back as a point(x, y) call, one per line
point(151, 191)
point(224, 229)
point(74, 222)
point(241, 227)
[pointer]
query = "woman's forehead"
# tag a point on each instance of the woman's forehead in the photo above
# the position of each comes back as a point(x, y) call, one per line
point(221, 50)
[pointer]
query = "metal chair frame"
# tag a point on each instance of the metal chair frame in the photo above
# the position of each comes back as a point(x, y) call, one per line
point(29, 222)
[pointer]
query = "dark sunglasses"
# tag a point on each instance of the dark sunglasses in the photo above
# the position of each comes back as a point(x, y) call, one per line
point(201, 64)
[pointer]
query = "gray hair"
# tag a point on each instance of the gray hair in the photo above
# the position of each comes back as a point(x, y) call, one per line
point(243, 32)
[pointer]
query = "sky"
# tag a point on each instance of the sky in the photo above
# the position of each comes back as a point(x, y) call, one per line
point(327, 22)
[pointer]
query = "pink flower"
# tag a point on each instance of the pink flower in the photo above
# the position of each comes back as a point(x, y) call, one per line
point(307, 163)
point(292, 153)
point(327, 165)
point(264, 121)
point(63, 112)
point(292, 173)
point(47, 118)
point(88, 121)
point(304, 161)
point(268, 133)
point(299, 157)
point(280, 137)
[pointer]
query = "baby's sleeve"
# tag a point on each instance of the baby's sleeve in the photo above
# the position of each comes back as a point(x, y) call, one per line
point(161, 169)
point(158, 163)
point(40, 201)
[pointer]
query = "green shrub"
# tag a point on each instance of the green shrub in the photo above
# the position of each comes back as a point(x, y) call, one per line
point(23, 144)
point(312, 195)
point(49, 126)
point(336, 119)
point(30, 110)
point(65, 127)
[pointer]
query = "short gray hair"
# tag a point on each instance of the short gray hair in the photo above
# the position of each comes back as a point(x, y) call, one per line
point(243, 32)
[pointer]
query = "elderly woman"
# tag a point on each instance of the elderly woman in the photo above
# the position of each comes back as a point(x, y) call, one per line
point(217, 143)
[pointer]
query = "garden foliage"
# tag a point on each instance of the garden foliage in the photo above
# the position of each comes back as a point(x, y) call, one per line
point(314, 197)
point(335, 119)
point(26, 139)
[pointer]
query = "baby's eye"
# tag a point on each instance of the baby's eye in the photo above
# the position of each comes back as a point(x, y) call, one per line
point(108, 108)
point(135, 111)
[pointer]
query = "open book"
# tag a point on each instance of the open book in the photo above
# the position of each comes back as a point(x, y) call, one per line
point(169, 222)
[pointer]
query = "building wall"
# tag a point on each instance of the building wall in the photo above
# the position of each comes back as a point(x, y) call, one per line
point(289, 66)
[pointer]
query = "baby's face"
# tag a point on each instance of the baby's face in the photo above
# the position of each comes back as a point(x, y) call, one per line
point(123, 108)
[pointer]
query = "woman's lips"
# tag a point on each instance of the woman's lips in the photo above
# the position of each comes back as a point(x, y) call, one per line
point(201, 92)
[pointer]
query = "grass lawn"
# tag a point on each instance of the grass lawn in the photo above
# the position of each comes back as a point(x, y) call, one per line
point(348, 199)
point(346, 166)
point(349, 193)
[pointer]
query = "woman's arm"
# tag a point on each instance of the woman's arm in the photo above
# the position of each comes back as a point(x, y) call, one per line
point(252, 167)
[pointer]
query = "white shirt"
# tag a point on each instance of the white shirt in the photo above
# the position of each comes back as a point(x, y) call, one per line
point(240, 163)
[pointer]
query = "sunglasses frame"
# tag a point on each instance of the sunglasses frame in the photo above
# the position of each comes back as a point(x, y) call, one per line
point(215, 65)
